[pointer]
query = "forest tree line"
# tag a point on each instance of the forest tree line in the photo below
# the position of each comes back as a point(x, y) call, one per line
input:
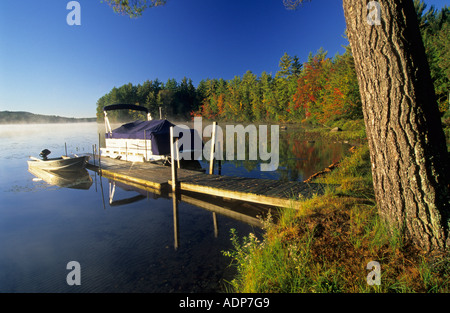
point(21, 117)
point(322, 90)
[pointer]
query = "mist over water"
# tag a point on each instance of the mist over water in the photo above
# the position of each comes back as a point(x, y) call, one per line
point(121, 248)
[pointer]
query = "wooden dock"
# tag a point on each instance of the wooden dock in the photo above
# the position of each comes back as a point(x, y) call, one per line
point(158, 178)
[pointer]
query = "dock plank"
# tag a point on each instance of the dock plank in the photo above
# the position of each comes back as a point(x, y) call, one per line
point(268, 192)
point(156, 176)
point(286, 189)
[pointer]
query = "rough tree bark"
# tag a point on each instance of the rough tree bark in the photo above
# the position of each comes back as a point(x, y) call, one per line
point(407, 145)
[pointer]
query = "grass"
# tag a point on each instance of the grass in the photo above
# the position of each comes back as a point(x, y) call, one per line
point(352, 131)
point(326, 245)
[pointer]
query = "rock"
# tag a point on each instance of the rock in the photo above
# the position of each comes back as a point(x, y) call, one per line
point(335, 129)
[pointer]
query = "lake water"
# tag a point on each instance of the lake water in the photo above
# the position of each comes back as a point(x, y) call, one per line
point(133, 242)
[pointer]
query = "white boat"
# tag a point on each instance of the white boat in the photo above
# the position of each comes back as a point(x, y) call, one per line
point(62, 164)
point(137, 141)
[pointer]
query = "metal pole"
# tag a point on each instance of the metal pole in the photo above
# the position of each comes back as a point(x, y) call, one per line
point(175, 221)
point(107, 125)
point(172, 156)
point(99, 155)
point(93, 153)
point(178, 153)
point(145, 144)
point(213, 144)
point(216, 229)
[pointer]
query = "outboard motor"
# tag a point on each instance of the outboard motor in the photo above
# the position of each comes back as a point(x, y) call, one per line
point(44, 153)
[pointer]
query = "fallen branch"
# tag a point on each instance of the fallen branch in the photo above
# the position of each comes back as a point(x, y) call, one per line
point(321, 173)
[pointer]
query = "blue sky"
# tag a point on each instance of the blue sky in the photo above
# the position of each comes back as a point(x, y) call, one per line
point(49, 67)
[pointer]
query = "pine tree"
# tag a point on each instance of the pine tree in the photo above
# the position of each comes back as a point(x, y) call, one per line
point(289, 66)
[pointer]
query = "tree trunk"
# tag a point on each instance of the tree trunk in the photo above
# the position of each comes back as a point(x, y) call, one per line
point(407, 144)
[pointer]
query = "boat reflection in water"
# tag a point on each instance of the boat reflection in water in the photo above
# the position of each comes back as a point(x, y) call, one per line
point(79, 179)
point(249, 213)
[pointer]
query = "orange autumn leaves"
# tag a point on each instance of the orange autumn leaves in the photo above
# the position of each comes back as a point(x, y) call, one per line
point(322, 90)
point(327, 91)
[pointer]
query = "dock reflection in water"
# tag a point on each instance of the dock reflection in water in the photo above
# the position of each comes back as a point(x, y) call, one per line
point(123, 246)
point(127, 237)
point(249, 213)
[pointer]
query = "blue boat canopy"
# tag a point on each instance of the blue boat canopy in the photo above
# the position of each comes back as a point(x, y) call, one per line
point(158, 131)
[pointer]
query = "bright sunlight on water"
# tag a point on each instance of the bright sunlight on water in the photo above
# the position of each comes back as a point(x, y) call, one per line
point(127, 243)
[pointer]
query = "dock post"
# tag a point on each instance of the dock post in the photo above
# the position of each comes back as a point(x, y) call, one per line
point(178, 152)
point(213, 145)
point(175, 221)
point(145, 144)
point(216, 229)
point(99, 155)
point(172, 159)
point(93, 153)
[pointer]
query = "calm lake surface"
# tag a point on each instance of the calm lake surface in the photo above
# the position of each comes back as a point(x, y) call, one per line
point(131, 243)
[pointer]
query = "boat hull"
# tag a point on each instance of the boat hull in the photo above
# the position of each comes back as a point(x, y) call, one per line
point(60, 164)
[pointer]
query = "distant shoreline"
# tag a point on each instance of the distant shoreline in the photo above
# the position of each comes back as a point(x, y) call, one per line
point(21, 117)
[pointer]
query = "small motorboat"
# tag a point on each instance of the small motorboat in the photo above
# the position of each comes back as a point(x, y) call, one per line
point(63, 163)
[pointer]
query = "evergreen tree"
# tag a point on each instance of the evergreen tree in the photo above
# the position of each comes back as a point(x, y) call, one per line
point(248, 94)
point(151, 103)
point(268, 101)
point(288, 66)
point(434, 27)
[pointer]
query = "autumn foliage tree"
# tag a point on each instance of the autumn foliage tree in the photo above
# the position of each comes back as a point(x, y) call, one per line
point(307, 101)
point(321, 90)
point(341, 99)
